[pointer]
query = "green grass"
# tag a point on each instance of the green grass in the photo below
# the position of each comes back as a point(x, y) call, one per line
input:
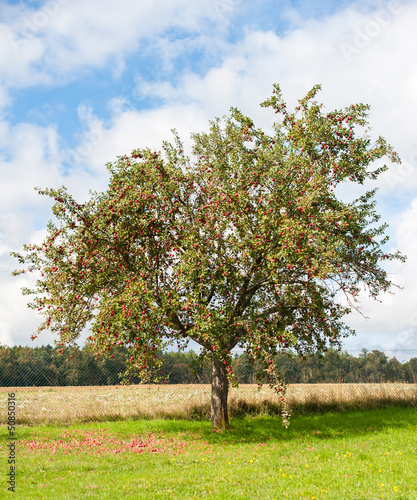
point(352, 455)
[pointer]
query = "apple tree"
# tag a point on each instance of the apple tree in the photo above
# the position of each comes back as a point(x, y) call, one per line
point(245, 243)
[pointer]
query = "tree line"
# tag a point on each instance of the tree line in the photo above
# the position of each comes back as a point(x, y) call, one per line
point(46, 366)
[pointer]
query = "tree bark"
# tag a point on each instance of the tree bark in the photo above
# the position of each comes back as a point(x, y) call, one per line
point(219, 393)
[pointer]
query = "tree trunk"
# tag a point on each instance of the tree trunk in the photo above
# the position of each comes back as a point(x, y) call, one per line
point(219, 393)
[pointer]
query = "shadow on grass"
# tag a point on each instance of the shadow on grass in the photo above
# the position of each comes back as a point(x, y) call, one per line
point(330, 426)
point(318, 426)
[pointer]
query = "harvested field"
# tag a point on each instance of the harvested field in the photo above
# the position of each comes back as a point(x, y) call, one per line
point(80, 404)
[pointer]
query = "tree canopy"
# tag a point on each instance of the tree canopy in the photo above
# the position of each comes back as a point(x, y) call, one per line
point(245, 243)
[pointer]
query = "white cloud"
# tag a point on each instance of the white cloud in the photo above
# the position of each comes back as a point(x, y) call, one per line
point(60, 38)
point(27, 159)
point(378, 73)
point(394, 320)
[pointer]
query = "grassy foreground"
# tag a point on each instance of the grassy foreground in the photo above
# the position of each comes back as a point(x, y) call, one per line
point(352, 455)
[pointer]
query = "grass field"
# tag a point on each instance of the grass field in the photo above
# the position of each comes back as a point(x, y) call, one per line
point(81, 404)
point(344, 442)
point(350, 455)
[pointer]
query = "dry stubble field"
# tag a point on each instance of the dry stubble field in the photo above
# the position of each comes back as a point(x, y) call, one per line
point(41, 405)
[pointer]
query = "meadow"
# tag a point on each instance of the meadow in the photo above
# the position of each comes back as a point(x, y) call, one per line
point(66, 405)
point(343, 442)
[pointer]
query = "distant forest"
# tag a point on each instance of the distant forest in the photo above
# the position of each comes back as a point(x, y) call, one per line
point(44, 366)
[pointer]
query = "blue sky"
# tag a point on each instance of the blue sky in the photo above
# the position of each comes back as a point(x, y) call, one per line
point(82, 82)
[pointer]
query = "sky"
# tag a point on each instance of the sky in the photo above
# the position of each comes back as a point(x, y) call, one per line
point(83, 82)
